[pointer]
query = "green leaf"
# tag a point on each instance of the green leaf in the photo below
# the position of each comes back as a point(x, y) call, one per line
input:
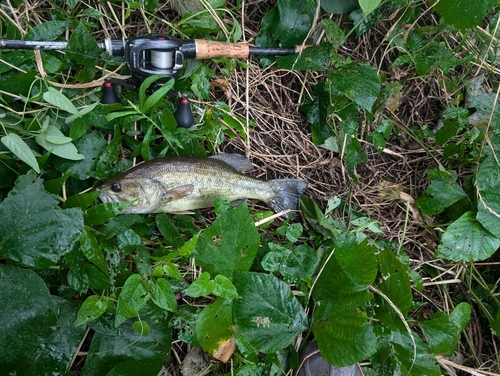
point(163, 296)
point(487, 181)
point(47, 31)
point(28, 316)
point(464, 14)
point(131, 300)
point(34, 231)
point(92, 249)
point(341, 328)
point(21, 150)
point(339, 6)
point(230, 243)
point(141, 327)
point(66, 151)
point(351, 268)
point(359, 83)
point(82, 201)
point(413, 357)
point(294, 265)
point(102, 213)
point(202, 286)
point(55, 356)
point(224, 287)
point(443, 332)
point(368, 6)
point(316, 58)
point(171, 270)
point(58, 99)
point(92, 308)
point(441, 193)
point(294, 21)
point(213, 325)
point(267, 315)
point(83, 50)
point(395, 284)
point(466, 240)
point(154, 98)
point(124, 352)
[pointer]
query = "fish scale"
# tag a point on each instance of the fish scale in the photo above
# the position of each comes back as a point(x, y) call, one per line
point(180, 184)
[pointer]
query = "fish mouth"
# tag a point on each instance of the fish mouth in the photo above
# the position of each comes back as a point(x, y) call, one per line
point(105, 197)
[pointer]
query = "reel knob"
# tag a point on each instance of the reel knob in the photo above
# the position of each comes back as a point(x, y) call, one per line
point(183, 114)
point(109, 95)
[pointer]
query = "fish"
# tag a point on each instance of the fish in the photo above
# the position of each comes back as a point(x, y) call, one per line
point(182, 184)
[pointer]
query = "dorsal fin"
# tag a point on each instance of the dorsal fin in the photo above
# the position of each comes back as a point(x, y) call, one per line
point(238, 161)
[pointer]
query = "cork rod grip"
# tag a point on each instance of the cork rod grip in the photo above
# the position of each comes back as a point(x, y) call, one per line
point(206, 49)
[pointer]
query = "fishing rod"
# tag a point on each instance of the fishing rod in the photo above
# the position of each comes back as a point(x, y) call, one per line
point(147, 55)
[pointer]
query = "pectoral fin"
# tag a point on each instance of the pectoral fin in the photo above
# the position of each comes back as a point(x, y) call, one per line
point(178, 192)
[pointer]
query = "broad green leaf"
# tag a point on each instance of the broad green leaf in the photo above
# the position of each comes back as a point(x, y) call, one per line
point(368, 6)
point(213, 325)
point(141, 327)
point(351, 268)
point(92, 308)
point(466, 240)
point(162, 295)
point(229, 244)
point(224, 287)
point(28, 316)
point(66, 151)
point(487, 182)
point(128, 240)
point(316, 58)
point(267, 315)
point(359, 83)
point(82, 201)
point(405, 350)
point(202, 286)
point(293, 232)
point(339, 6)
point(131, 299)
point(55, 356)
point(47, 31)
point(169, 231)
point(189, 246)
point(19, 84)
point(58, 140)
point(83, 51)
point(295, 18)
point(171, 270)
point(122, 351)
point(341, 328)
point(93, 147)
point(464, 14)
point(21, 150)
point(294, 264)
point(443, 331)
point(91, 249)
point(59, 100)
point(395, 280)
point(102, 213)
point(441, 193)
point(333, 32)
point(33, 230)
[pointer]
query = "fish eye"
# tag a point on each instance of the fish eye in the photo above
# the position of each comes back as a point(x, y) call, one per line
point(116, 187)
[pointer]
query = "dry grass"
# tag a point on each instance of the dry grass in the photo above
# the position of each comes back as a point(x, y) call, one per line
point(280, 146)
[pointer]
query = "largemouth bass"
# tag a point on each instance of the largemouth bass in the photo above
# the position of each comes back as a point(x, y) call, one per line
point(182, 184)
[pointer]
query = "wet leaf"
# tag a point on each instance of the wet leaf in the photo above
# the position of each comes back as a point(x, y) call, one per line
point(359, 83)
point(124, 352)
point(464, 14)
point(92, 308)
point(213, 325)
point(28, 316)
point(466, 240)
point(21, 150)
point(315, 58)
point(443, 331)
point(202, 286)
point(34, 231)
point(229, 244)
point(341, 328)
point(83, 50)
point(47, 31)
point(131, 299)
point(441, 193)
point(267, 315)
point(351, 268)
point(163, 296)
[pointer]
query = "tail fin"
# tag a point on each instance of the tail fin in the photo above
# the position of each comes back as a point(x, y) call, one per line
point(288, 192)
